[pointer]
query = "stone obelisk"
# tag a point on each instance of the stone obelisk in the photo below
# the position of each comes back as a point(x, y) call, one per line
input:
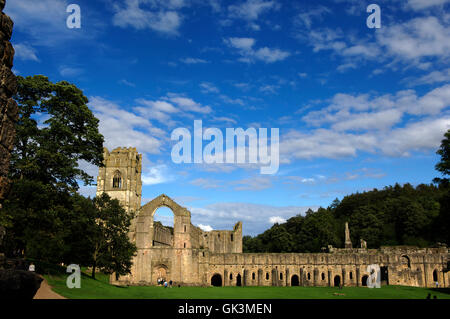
point(348, 242)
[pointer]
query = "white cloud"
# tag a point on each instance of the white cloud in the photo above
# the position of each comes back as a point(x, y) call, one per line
point(162, 16)
point(256, 183)
point(305, 18)
point(353, 123)
point(193, 61)
point(249, 54)
point(87, 191)
point(419, 136)
point(423, 135)
point(430, 78)
point(208, 88)
point(277, 220)
point(205, 227)
point(188, 104)
point(230, 100)
point(206, 183)
point(241, 43)
point(418, 42)
point(424, 4)
point(269, 88)
point(252, 9)
point(417, 38)
point(270, 55)
point(122, 128)
point(224, 119)
point(127, 83)
point(255, 217)
point(68, 71)
point(25, 52)
point(157, 174)
point(368, 121)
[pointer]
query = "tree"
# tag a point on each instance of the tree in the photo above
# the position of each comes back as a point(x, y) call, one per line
point(112, 250)
point(55, 131)
point(444, 165)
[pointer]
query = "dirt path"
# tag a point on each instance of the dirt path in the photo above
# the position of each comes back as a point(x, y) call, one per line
point(45, 292)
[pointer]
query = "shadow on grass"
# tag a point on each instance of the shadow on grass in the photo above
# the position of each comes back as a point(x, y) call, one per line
point(441, 290)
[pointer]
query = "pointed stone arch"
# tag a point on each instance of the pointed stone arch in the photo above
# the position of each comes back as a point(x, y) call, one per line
point(144, 222)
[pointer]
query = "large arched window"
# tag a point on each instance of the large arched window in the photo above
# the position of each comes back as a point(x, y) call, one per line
point(117, 180)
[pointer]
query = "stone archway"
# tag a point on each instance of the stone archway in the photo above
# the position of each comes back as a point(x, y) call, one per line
point(295, 281)
point(337, 281)
point(160, 272)
point(216, 280)
point(145, 218)
point(364, 280)
point(238, 280)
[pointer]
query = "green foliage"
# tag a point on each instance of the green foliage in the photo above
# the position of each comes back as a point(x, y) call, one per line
point(55, 131)
point(46, 220)
point(444, 165)
point(112, 251)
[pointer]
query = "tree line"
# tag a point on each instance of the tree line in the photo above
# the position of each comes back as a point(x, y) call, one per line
point(395, 215)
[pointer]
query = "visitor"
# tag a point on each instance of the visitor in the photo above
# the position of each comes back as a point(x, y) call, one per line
point(165, 284)
point(437, 284)
point(170, 283)
point(429, 296)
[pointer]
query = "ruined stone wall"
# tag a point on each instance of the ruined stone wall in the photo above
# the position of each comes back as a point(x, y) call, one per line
point(404, 266)
point(162, 236)
point(8, 108)
point(191, 256)
point(225, 241)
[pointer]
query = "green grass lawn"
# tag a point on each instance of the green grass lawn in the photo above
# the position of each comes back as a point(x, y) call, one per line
point(101, 289)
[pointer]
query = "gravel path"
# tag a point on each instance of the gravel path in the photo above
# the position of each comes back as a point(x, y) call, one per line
point(45, 292)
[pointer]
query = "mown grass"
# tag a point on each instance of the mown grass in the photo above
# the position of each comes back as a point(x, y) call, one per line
point(101, 289)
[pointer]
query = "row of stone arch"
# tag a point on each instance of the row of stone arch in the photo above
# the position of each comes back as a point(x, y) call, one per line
point(216, 280)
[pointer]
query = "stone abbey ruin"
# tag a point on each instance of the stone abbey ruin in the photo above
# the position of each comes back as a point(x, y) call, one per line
point(188, 255)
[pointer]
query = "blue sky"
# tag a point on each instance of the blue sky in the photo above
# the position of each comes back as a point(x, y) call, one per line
point(357, 108)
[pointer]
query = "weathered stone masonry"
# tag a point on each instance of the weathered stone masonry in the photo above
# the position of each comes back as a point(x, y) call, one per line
point(191, 256)
point(8, 107)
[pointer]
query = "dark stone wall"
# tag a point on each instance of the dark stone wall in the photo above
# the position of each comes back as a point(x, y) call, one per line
point(8, 107)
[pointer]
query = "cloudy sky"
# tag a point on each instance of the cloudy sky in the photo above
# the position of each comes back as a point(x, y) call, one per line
point(357, 108)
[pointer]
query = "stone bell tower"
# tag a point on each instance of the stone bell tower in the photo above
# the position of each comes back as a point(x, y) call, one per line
point(120, 178)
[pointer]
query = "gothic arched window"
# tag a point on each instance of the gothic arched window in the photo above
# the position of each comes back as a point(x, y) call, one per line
point(117, 180)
